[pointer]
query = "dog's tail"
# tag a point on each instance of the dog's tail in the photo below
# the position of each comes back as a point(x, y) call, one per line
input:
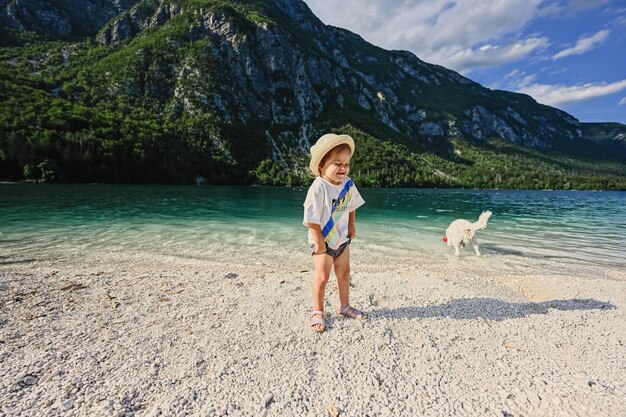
point(482, 220)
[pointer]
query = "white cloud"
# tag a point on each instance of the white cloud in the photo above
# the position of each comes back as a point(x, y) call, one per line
point(569, 8)
point(584, 44)
point(512, 74)
point(557, 71)
point(622, 101)
point(514, 80)
point(555, 95)
point(491, 55)
point(527, 80)
point(460, 35)
point(550, 9)
point(574, 6)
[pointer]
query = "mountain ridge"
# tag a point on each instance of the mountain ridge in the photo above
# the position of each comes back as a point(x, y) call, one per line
point(273, 72)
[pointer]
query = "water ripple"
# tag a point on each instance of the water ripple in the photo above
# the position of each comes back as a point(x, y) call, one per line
point(53, 220)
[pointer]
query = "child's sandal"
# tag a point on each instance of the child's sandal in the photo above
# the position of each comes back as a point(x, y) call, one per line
point(314, 321)
point(353, 313)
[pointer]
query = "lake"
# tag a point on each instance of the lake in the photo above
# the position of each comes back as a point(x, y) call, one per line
point(41, 221)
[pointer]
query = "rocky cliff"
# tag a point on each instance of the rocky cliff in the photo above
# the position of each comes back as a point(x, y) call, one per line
point(62, 18)
point(271, 71)
point(283, 66)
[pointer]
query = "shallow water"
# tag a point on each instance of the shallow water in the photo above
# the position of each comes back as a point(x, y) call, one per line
point(43, 222)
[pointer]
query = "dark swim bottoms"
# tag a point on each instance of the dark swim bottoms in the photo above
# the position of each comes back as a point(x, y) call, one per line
point(335, 253)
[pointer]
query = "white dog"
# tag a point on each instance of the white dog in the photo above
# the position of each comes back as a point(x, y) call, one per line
point(461, 230)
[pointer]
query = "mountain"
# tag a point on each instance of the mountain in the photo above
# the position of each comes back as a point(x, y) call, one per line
point(237, 91)
point(611, 136)
point(62, 18)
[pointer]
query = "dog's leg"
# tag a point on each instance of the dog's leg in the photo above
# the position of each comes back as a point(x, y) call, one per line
point(456, 248)
point(475, 245)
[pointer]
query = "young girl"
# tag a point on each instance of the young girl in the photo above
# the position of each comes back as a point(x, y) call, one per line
point(329, 213)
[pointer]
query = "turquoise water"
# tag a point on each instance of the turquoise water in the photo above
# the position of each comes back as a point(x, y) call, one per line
point(52, 220)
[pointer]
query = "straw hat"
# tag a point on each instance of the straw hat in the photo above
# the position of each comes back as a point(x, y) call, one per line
point(324, 145)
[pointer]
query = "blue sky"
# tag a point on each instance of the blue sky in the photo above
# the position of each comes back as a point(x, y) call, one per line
point(570, 54)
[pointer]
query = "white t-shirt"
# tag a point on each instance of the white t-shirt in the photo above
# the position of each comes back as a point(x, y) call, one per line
point(318, 205)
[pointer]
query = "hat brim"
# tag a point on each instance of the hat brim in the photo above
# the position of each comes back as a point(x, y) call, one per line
point(324, 145)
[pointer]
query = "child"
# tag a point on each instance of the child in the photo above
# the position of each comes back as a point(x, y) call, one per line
point(329, 213)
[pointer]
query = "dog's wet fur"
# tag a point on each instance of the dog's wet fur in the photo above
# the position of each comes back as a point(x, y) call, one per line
point(461, 231)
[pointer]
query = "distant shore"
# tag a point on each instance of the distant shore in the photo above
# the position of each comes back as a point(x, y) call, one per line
point(132, 334)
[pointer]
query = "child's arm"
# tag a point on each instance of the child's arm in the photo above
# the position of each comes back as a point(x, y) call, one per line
point(351, 228)
point(318, 238)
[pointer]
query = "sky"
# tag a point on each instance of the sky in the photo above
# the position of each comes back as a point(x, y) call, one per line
point(569, 54)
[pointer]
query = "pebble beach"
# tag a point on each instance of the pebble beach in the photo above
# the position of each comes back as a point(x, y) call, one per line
point(123, 334)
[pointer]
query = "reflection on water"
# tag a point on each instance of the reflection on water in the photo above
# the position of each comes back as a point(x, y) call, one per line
point(55, 220)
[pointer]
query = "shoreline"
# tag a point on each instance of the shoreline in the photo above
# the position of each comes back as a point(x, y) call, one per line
point(303, 186)
point(131, 334)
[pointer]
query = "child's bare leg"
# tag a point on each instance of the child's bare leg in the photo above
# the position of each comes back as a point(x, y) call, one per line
point(322, 264)
point(342, 272)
